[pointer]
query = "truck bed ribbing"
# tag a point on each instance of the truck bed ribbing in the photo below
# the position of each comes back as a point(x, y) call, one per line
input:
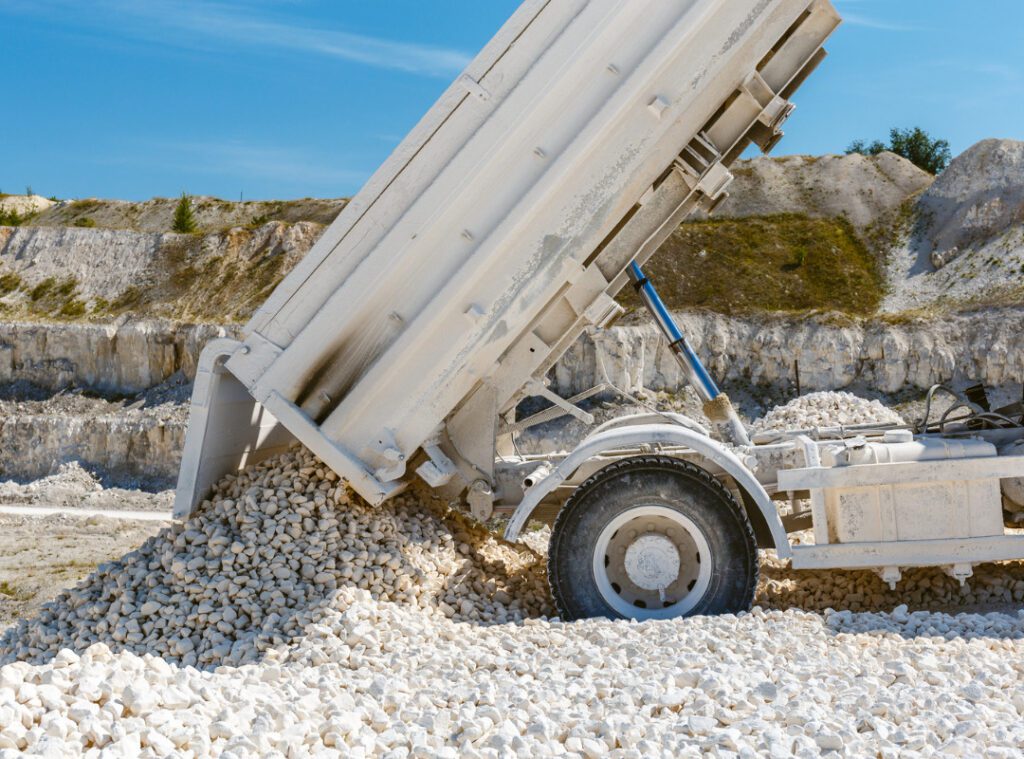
point(499, 230)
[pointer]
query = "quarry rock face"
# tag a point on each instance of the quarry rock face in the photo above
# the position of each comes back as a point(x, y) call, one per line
point(134, 448)
point(862, 189)
point(123, 357)
point(976, 198)
point(130, 357)
point(103, 262)
point(153, 273)
point(769, 351)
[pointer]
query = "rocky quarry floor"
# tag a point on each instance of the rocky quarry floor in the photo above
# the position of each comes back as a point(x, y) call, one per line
point(286, 618)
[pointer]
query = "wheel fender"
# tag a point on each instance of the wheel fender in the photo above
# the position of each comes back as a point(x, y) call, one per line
point(664, 434)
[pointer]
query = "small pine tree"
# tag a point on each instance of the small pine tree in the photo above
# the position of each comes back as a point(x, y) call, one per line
point(184, 219)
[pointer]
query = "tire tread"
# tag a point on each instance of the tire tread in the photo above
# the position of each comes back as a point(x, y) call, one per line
point(572, 505)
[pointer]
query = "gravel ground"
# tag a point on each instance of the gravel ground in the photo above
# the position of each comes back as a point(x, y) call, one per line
point(166, 402)
point(372, 678)
point(287, 619)
point(39, 557)
point(73, 487)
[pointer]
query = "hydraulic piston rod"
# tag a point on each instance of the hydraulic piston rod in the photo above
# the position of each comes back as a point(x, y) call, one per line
point(717, 406)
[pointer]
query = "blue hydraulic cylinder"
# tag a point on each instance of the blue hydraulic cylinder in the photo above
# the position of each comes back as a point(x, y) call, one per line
point(717, 406)
point(697, 374)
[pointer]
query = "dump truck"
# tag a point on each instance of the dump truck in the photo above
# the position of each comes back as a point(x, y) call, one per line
point(402, 347)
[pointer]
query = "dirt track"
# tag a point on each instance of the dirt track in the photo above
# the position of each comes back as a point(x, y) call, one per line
point(40, 556)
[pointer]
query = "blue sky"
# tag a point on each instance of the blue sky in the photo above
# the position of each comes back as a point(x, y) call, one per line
point(293, 98)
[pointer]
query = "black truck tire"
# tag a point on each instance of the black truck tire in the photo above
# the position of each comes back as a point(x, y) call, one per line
point(652, 537)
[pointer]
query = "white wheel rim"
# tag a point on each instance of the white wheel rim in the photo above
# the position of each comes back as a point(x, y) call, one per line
point(668, 570)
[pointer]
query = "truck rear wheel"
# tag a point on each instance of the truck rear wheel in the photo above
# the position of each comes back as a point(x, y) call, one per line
point(652, 537)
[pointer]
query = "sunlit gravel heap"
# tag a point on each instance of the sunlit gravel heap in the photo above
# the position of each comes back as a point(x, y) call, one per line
point(70, 477)
point(289, 619)
point(827, 409)
point(261, 560)
point(381, 678)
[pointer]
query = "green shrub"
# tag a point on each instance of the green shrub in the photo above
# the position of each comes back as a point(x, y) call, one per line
point(86, 221)
point(184, 220)
point(126, 299)
point(10, 218)
point(9, 283)
point(43, 289)
point(73, 309)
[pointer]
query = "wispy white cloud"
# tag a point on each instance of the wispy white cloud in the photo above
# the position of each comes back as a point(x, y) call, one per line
point(1001, 71)
point(241, 161)
point(198, 24)
point(236, 158)
point(870, 22)
point(860, 13)
point(266, 162)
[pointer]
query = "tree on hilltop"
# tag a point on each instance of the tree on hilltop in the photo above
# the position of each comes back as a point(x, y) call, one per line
point(184, 219)
point(916, 145)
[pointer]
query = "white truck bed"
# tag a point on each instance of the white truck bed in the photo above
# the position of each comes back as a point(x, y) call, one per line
point(497, 231)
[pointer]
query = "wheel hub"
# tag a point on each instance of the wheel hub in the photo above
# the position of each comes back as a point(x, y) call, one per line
point(652, 562)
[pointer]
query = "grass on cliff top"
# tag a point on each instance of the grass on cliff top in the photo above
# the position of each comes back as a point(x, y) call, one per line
point(788, 263)
point(212, 215)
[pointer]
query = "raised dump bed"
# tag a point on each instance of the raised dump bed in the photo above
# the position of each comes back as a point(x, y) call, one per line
point(499, 230)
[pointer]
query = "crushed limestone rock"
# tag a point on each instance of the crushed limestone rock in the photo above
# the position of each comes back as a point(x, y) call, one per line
point(289, 619)
point(264, 558)
point(826, 409)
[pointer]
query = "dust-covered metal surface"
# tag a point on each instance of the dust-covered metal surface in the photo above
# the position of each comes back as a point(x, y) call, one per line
point(500, 228)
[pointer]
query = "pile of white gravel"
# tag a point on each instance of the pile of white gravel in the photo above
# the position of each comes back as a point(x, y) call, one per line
point(70, 477)
point(262, 559)
point(289, 619)
point(993, 587)
point(382, 679)
point(826, 409)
